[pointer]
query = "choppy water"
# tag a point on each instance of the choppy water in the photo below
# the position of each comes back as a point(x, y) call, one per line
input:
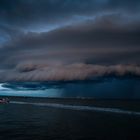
point(80, 107)
point(25, 121)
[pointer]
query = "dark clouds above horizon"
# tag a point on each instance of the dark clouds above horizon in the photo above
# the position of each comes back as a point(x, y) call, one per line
point(70, 38)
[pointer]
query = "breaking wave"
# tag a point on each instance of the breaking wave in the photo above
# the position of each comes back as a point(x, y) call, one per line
point(81, 108)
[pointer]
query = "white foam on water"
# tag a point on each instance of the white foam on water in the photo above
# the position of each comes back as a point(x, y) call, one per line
point(82, 108)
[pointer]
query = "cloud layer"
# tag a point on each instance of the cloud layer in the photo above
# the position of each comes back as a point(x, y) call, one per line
point(68, 39)
point(70, 72)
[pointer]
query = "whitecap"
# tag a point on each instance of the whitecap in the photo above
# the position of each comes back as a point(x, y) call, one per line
point(82, 108)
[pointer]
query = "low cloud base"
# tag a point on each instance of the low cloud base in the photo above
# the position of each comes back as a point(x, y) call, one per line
point(65, 72)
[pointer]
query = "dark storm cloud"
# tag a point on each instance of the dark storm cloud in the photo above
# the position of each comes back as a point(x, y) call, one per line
point(101, 41)
point(63, 54)
point(68, 39)
point(30, 72)
point(32, 12)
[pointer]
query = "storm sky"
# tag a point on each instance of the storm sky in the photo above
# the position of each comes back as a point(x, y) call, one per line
point(42, 40)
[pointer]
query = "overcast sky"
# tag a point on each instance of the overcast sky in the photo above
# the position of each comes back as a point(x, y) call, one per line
point(68, 39)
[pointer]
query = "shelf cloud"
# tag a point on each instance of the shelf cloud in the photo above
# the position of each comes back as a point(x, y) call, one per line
point(70, 72)
point(68, 39)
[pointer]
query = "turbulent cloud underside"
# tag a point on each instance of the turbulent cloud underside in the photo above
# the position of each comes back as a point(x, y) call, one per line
point(60, 40)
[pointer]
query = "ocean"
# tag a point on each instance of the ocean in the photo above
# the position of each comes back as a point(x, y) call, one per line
point(26, 120)
point(94, 110)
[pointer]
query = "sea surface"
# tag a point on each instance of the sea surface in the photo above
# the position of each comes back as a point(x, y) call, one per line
point(32, 119)
point(104, 109)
